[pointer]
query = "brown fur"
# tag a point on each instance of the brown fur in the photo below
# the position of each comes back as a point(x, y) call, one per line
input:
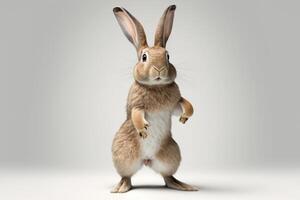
point(137, 117)
point(157, 64)
point(186, 107)
point(151, 98)
point(169, 153)
point(164, 27)
point(125, 146)
point(154, 90)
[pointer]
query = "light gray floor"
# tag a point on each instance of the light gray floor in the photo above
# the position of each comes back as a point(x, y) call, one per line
point(228, 184)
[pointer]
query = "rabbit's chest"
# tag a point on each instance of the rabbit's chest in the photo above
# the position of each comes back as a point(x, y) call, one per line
point(159, 128)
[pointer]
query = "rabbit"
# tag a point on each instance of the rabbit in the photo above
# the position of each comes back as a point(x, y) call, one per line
point(145, 137)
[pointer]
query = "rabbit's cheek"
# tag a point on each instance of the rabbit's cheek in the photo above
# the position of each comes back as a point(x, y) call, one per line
point(172, 73)
point(140, 74)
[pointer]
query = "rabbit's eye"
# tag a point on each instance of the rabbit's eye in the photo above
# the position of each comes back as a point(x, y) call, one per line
point(144, 57)
point(168, 56)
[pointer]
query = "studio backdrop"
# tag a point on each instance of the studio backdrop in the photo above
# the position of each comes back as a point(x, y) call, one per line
point(66, 68)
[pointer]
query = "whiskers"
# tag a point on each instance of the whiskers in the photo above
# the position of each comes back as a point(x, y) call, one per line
point(185, 74)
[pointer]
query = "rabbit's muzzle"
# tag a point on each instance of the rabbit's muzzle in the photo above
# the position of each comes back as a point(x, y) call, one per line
point(158, 73)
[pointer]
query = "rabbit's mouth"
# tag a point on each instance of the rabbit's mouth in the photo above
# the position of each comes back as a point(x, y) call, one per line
point(156, 81)
point(160, 80)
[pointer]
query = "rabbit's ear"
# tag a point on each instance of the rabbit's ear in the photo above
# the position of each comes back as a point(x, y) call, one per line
point(131, 27)
point(164, 27)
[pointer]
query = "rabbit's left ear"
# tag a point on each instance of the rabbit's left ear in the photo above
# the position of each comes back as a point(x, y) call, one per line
point(131, 27)
point(164, 27)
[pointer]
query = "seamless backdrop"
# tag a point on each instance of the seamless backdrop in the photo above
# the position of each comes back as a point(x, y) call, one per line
point(66, 68)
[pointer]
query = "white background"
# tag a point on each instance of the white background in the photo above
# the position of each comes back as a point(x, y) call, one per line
point(66, 67)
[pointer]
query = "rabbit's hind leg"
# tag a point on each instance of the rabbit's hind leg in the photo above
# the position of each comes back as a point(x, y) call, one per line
point(166, 163)
point(126, 169)
point(125, 154)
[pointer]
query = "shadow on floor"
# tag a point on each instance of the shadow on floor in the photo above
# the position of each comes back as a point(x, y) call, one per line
point(202, 188)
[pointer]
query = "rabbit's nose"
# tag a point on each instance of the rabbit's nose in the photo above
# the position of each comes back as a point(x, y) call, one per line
point(159, 69)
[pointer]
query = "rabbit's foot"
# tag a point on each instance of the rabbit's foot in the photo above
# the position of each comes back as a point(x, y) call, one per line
point(173, 183)
point(123, 186)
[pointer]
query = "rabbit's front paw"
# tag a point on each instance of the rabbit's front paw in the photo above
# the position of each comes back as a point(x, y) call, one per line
point(143, 132)
point(183, 118)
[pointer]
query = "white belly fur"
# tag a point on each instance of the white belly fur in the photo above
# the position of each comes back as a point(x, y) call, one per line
point(159, 128)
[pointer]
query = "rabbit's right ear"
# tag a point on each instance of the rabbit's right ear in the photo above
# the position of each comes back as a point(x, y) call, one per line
point(164, 27)
point(132, 28)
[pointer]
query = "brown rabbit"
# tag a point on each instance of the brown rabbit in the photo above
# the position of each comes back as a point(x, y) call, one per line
point(145, 137)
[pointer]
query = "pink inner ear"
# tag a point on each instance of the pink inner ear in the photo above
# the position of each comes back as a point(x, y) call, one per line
point(127, 26)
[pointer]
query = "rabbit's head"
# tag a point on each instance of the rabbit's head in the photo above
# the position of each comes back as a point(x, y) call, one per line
point(153, 67)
